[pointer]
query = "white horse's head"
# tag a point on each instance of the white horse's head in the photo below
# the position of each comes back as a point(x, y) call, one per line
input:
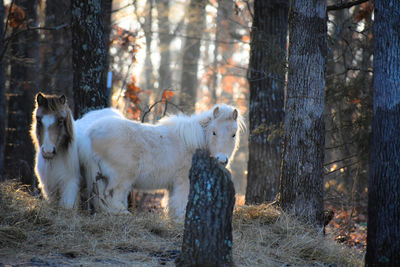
point(52, 127)
point(222, 132)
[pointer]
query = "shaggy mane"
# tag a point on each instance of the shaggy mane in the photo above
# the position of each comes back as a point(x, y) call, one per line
point(191, 128)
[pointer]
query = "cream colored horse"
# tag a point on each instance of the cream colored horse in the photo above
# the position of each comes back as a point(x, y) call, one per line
point(53, 134)
point(122, 154)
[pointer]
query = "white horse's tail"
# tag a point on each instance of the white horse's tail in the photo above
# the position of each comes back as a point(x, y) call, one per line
point(88, 165)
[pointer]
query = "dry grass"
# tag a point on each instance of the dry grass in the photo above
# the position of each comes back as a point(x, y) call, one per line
point(36, 233)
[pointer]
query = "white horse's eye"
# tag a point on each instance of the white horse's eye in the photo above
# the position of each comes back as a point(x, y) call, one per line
point(214, 133)
point(233, 136)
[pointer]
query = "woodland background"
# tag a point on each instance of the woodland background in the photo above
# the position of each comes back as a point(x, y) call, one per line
point(164, 57)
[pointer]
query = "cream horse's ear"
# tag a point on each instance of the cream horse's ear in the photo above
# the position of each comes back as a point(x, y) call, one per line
point(62, 99)
point(215, 113)
point(41, 99)
point(235, 114)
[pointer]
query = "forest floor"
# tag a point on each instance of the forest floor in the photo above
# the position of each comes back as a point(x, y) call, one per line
point(34, 233)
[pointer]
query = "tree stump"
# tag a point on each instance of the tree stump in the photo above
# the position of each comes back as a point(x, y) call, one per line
point(207, 238)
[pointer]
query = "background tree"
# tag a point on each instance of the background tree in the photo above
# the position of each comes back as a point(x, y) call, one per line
point(191, 53)
point(383, 244)
point(164, 70)
point(88, 57)
point(24, 55)
point(3, 115)
point(348, 108)
point(56, 62)
point(106, 9)
point(301, 189)
point(266, 77)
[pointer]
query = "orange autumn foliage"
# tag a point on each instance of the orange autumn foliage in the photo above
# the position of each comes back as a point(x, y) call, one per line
point(16, 17)
point(132, 96)
point(167, 95)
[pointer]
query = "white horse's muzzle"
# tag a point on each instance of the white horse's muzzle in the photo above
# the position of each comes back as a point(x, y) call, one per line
point(222, 158)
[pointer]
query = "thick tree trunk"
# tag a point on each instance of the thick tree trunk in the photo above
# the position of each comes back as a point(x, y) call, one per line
point(207, 238)
point(88, 56)
point(267, 80)
point(3, 111)
point(191, 53)
point(383, 240)
point(56, 75)
point(19, 151)
point(301, 189)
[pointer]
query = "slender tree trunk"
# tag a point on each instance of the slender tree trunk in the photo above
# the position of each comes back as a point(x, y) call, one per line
point(301, 189)
point(207, 238)
point(218, 34)
point(191, 53)
point(164, 70)
point(19, 151)
point(267, 80)
point(383, 240)
point(106, 11)
point(88, 56)
point(147, 27)
point(56, 70)
point(3, 111)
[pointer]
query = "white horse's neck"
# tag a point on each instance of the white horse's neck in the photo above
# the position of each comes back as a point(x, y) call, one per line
point(188, 129)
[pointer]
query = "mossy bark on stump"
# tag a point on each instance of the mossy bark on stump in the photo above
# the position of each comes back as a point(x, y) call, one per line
point(207, 238)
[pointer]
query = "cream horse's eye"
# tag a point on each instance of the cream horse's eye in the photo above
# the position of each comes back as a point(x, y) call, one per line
point(233, 136)
point(214, 133)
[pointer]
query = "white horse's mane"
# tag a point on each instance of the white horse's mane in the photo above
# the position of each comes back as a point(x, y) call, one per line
point(191, 128)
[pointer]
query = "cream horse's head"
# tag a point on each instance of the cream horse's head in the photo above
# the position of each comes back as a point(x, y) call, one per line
point(222, 131)
point(52, 127)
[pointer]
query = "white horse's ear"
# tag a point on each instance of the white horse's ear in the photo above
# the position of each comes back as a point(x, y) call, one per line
point(41, 100)
point(62, 99)
point(215, 112)
point(235, 114)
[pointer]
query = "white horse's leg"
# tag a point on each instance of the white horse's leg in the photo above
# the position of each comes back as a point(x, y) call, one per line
point(69, 194)
point(119, 203)
point(177, 201)
point(112, 191)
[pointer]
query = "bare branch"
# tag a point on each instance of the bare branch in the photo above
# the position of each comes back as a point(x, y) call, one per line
point(15, 34)
point(339, 160)
point(345, 5)
point(165, 109)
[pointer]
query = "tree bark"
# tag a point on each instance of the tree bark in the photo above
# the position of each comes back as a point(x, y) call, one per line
point(383, 240)
point(301, 189)
point(266, 77)
point(148, 34)
point(88, 57)
point(3, 112)
point(56, 75)
point(19, 150)
point(191, 53)
point(207, 238)
point(106, 9)
point(164, 70)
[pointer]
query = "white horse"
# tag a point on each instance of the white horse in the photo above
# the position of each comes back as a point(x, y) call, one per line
point(84, 149)
point(53, 135)
point(122, 154)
